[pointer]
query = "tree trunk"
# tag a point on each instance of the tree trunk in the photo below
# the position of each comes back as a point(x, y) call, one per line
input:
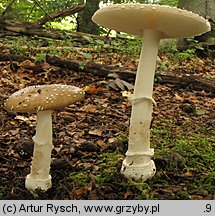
point(204, 8)
point(85, 23)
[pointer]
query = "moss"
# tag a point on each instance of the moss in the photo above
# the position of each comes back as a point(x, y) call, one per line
point(181, 158)
point(183, 195)
point(1, 192)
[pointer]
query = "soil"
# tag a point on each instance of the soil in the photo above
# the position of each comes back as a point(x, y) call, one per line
point(85, 131)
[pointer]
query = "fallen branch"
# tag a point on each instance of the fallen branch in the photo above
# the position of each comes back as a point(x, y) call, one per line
point(172, 77)
point(177, 78)
point(10, 57)
point(66, 12)
point(15, 28)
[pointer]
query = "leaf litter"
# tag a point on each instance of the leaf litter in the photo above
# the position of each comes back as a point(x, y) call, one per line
point(90, 138)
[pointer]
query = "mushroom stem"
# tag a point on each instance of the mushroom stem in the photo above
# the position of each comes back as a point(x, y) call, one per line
point(138, 163)
point(39, 176)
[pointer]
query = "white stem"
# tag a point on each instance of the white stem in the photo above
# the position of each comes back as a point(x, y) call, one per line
point(138, 163)
point(39, 176)
point(139, 134)
point(43, 134)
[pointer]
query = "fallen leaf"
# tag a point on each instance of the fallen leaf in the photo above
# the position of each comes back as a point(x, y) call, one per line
point(22, 118)
point(92, 89)
point(112, 140)
point(89, 108)
point(3, 169)
point(126, 93)
point(178, 98)
point(30, 66)
point(13, 123)
point(79, 192)
point(90, 186)
point(196, 197)
point(187, 174)
point(27, 64)
point(57, 149)
point(96, 132)
point(127, 194)
point(102, 144)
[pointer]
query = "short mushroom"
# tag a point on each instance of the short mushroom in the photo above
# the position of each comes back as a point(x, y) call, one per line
point(42, 99)
point(153, 22)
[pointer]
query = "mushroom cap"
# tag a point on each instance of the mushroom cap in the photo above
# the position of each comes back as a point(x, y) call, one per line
point(43, 97)
point(133, 19)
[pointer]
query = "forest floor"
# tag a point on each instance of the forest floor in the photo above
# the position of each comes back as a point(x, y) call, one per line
point(90, 138)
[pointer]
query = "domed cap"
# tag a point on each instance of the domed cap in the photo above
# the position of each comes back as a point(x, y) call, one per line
point(43, 97)
point(135, 18)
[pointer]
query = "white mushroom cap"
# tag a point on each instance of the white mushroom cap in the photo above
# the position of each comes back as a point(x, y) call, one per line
point(135, 18)
point(43, 97)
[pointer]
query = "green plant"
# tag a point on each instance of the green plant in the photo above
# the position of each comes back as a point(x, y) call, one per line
point(163, 65)
point(81, 65)
point(41, 57)
point(86, 55)
point(168, 47)
point(184, 55)
point(122, 137)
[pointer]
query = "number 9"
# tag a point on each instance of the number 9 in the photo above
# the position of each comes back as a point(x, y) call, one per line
point(208, 207)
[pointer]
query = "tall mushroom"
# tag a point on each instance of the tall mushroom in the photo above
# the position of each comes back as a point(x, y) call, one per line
point(42, 99)
point(153, 22)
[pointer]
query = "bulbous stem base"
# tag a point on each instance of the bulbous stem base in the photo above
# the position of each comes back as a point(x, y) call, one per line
point(138, 171)
point(42, 184)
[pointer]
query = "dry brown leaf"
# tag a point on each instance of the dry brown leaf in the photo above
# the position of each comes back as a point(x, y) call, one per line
point(102, 144)
point(22, 118)
point(127, 194)
point(96, 132)
point(30, 66)
point(13, 123)
point(187, 174)
point(27, 64)
point(3, 169)
point(92, 89)
point(90, 186)
point(57, 149)
point(89, 108)
point(178, 98)
point(79, 192)
point(112, 140)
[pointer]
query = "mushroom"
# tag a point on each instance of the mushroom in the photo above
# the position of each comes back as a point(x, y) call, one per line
point(154, 22)
point(42, 99)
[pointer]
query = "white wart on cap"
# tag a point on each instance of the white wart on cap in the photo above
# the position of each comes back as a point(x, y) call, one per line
point(135, 18)
point(43, 97)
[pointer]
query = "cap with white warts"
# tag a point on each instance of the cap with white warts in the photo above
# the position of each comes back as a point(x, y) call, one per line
point(135, 18)
point(43, 97)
